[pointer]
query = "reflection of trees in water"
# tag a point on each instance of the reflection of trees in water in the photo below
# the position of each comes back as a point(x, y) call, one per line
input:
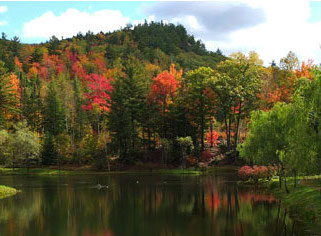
point(156, 206)
point(20, 212)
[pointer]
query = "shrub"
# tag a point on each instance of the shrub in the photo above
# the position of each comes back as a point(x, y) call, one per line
point(245, 173)
point(256, 173)
point(259, 172)
point(206, 156)
point(191, 161)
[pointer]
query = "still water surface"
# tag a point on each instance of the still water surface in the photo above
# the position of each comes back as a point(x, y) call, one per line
point(140, 205)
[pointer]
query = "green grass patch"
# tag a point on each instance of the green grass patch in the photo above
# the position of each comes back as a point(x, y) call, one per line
point(303, 201)
point(47, 171)
point(7, 191)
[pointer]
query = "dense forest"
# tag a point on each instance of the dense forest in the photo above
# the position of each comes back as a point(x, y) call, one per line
point(152, 93)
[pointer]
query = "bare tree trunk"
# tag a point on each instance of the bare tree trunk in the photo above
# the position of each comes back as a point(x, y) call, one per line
point(226, 131)
point(202, 121)
point(286, 186)
point(211, 130)
point(164, 107)
point(202, 132)
point(98, 125)
point(106, 151)
point(149, 138)
point(237, 130)
point(229, 133)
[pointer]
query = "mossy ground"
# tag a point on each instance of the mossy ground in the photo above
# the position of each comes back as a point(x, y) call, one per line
point(6, 191)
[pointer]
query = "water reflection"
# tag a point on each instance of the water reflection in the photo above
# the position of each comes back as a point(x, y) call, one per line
point(140, 205)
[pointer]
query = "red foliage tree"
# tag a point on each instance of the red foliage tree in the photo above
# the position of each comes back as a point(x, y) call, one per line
point(98, 96)
point(78, 70)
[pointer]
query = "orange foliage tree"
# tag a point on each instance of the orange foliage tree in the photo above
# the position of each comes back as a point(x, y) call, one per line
point(163, 90)
point(305, 70)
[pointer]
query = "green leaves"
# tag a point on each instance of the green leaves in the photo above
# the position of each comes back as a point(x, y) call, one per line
point(20, 146)
point(54, 113)
point(288, 133)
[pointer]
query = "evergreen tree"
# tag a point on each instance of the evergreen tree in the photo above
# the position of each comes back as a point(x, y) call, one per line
point(54, 113)
point(31, 102)
point(127, 99)
point(80, 115)
point(49, 153)
point(53, 46)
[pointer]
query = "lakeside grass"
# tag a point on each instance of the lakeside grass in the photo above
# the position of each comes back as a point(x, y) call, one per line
point(303, 202)
point(7, 191)
point(49, 171)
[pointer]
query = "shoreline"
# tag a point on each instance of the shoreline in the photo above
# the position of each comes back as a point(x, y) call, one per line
point(303, 202)
point(80, 171)
point(87, 170)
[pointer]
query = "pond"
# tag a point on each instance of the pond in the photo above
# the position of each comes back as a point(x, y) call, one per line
point(140, 205)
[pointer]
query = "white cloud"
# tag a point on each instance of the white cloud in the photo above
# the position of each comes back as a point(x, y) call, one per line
point(149, 19)
point(2, 23)
point(3, 9)
point(73, 21)
point(189, 21)
point(285, 27)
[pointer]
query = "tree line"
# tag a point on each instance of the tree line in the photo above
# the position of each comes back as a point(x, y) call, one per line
point(95, 98)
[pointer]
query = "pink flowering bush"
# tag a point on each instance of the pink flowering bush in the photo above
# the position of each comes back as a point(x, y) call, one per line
point(245, 173)
point(256, 173)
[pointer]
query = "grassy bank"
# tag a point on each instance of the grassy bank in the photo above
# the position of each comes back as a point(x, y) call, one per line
point(6, 191)
point(303, 201)
point(81, 171)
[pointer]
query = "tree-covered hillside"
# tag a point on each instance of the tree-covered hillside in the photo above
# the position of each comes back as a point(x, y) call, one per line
point(145, 93)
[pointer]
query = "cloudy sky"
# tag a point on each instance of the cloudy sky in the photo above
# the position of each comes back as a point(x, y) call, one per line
point(271, 27)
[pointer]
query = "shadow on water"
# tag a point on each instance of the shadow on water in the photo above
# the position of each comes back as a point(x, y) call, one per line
point(140, 205)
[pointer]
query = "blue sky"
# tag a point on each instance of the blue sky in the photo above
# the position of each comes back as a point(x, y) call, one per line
point(271, 28)
point(19, 13)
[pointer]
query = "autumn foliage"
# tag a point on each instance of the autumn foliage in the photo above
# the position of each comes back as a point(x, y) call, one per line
point(164, 86)
point(15, 91)
point(305, 70)
point(99, 87)
point(212, 138)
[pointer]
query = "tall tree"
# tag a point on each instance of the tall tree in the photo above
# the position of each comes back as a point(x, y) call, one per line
point(162, 91)
point(236, 86)
point(54, 112)
point(127, 100)
point(197, 83)
point(8, 94)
